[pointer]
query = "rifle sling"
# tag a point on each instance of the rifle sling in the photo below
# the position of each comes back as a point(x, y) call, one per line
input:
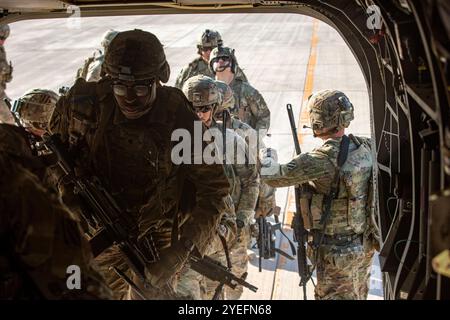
point(227, 252)
point(334, 191)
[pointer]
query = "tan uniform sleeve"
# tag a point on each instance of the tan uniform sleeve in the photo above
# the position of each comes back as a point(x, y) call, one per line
point(181, 78)
point(259, 110)
point(306, 167)
point(249, 179)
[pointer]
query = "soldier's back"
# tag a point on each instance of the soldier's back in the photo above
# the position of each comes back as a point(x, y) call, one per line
point(194, 68)
point(250, 106)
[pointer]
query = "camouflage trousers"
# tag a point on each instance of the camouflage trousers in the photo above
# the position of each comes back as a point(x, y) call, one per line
point(192, 285)
point(112, 257)
point(195, 286)
point(266, 200)
point(343, 271)
point(239, 261)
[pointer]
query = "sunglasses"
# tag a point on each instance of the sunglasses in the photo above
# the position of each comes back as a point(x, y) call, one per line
point(224, 58)
point(141, 90)
point(206, 48)
point(205, 109)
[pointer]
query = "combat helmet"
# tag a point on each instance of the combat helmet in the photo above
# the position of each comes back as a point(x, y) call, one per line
point(223, 52)
point(108, 36)
point(136, 55)
point(36, 107)
point(227, 101)
point(202, 91)
point(4, 31)
point(209, 39)
point(330, 110)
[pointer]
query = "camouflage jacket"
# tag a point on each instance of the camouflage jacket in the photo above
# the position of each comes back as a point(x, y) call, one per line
point(266, 194)
point(5, 69)
point(243, 178)
point(92, 68)
point(317, 169)
point(132, 158)
point(40, 239)
point(250, 106)
point(199, 66)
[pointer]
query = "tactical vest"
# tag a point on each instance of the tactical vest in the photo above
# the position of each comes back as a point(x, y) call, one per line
point(349, 211)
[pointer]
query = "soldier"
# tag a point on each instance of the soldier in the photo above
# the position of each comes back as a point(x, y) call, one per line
point(338, 247)
point(35, 109)
point(203, 93)
point(209, 40)
point(250, 106)
point(92, 68)
point(266, 202)
point(41, 242)
point(121, 129)
point(5, 76)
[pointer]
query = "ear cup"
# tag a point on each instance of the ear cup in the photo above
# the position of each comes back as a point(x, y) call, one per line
point(164, 73)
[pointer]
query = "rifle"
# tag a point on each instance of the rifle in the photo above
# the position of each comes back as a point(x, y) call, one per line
point(116, 228)
point(224, 135)
point(216, 271)
point(266, 239)
point(300, 233)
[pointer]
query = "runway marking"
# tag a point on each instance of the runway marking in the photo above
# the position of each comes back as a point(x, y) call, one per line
point(307, 134)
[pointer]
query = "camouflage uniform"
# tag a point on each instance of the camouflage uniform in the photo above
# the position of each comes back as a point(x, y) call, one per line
point(343, 261)
point(243, 179)
point(34, 110)
point(238, 250)
point(191, 284)
point(266, 200)
point(5, 77)
point(36, 107)
point(40, 239)
point(266, 195)
point(250, 106)
point(132, 157)
point(199, 66)
point(92, 68)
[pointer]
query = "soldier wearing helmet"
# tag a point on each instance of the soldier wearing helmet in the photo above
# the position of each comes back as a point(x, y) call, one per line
point(92, 68)
point(121, 127)
point(209, 40)
point(35, 108)
point(6, 70)
point(266, 204)
point(250, 106)
point(206, 98)
point(335, 201)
